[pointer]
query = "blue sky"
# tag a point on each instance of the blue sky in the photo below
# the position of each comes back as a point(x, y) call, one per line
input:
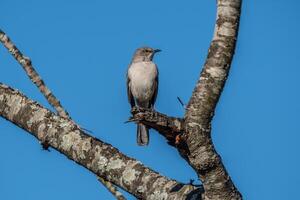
point(82, 50)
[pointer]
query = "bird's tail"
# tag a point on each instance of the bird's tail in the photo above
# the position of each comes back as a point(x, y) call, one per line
point(142, 135)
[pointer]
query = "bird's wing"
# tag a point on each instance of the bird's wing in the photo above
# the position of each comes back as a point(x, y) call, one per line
point(155, 88)
point(129, 94)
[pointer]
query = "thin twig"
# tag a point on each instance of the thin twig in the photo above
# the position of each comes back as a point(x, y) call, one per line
point(25, 62)
point(32, 74)
point(112, 189)
point(181, 102)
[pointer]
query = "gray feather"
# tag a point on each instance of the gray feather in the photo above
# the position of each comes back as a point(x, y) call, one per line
point(142, 135)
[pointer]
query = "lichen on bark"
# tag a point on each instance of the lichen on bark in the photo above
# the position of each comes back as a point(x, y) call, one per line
point(95, 155)
point(191, 135)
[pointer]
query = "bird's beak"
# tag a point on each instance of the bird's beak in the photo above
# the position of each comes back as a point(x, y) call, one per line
point(157, 50)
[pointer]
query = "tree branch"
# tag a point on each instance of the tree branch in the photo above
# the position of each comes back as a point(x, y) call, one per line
point(195, 128)
point(200, 110)
point(100, 158)
point(112, 189)
point(25, 62)
point(169, 127)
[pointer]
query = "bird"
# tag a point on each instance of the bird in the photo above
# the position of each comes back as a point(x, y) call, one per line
point(142, 86)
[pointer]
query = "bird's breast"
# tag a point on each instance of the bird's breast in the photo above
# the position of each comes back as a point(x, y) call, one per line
point(142, 76)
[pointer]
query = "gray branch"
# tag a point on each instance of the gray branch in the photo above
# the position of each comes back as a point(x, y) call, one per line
point(200, 109)
point(112, 189)
point(169, 127)
point(25, 62)
point(99, 157)
point(195, 129)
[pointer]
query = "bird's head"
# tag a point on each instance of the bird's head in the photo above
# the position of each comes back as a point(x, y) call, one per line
point(144, 54)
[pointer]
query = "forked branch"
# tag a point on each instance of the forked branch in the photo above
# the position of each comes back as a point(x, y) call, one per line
point(95, 155)
point(25, 62)
point(113, 166)
point(201, 154)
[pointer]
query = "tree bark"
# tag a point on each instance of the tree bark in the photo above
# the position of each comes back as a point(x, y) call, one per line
point(200, 110)
point(198, 149)
point(169, 127)
point(191, 135)
point(97, 156)
point(26, 63)
point(32, 74)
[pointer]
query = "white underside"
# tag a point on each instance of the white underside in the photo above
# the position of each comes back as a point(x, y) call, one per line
point(142, 78)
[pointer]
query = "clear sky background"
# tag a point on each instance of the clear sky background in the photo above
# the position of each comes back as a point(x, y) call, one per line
point(82, 50)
